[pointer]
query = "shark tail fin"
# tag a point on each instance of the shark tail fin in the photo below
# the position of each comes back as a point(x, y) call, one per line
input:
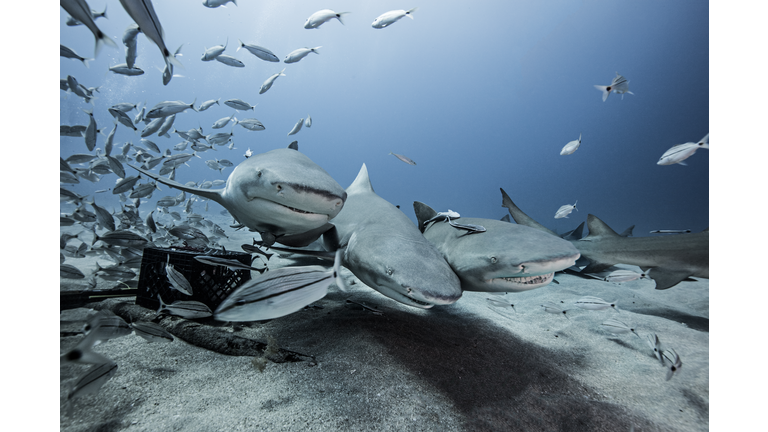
point(423, 213)
point(605, 90)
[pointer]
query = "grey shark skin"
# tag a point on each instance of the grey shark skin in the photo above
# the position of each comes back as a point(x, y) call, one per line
point(281, 193)
point(505, 258)
point(670, 259)
point(387, 252)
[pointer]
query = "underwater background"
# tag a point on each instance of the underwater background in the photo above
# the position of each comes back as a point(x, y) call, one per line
point(480, 97)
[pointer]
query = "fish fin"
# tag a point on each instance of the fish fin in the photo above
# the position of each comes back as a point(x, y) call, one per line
point(314, 50)
point(682, 163)
point(409, 13)
point(519, 216)
point(170, 58)
point(338, 17)
point(101, 40)
point(362, 182)
point(598, 228)
point(212, 194)
point(627, 232)
point(576, 234)
point(604, 90)
point(423, 213)
point(667, 278)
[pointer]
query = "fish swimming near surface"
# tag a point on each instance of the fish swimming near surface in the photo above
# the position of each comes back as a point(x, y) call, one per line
point(79, 10)
point(269, 81)
point(671, 259)
point(405, 159)
point(280, 292)
point(297, 127)
point(258, 51)
point(571, 147)
point(388, 18)
point(299, 53)
point(681, 152)
point(280, 192)
point(321, 17)
point(565, 210)
point(506, 258)
point(620, 85)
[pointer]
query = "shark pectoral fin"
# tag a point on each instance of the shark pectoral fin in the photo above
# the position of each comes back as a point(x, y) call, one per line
point(212, 194)
point(667, 278)
point(596, 267)
point(305, 238)
point(423, 213)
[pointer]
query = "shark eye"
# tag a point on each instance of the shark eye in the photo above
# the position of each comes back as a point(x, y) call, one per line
point(390, 272)
point(493, 260)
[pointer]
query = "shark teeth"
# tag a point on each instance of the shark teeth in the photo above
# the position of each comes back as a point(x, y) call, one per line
point(526, 280)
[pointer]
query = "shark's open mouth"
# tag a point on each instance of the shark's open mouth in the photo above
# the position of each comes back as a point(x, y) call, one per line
point(526, 280)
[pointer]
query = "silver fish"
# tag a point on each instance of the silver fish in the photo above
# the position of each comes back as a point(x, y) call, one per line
point(269, 81)
point(80, 11)
point(217, 3)
point(177, 280)
point(405, 159)
point(90, 131)
point(92, 380)
point(322, 16)
point(122, 118)
point(164, 109)
point(104, 217)
point(299, 53)
point(565, 210)
point(220, 123)
point(143, 14)
point(69, 53)
point(94, 14)
point(280, 292)
point(500, 303)
point(664, 231)
point(152, 127)
point(151, 332)
point(166, 126)
point(239, 104)
point(554, 308)
point(124, 69)
point(251, 124)
point(674, 362)
point(213, 52)
point(620, 85)
point(653, 341)
point(296, 127)
point(308, 122)
point(231, 264)
point(150, 145)
point(258, 51)
point(388, 18)
point(229, 61)
point(188, 309)
point(618, 327)
point(121, 238)
point(151, 222)
point(68, 271)
point(207, 104)
point(125, 184)
point(595, 303)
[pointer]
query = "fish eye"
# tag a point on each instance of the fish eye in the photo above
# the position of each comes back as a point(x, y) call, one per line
point(493, 260)
point(390, 272)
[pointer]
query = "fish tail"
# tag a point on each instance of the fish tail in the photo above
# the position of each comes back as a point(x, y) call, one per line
point(314, 50)
point(170, 58)
point(410, 12)
point(605, 91)
point(85, 62)
point(241, 45)
point(101, 40)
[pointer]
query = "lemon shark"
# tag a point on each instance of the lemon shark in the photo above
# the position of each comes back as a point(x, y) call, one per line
point(385, 250)
point(671, 259)
point(281, 194)
point(505, 258)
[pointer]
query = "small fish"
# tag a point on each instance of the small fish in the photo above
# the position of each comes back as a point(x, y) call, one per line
point(104, 218)
point(595, 303)
point(220, 123)
point(571, 147)
point(248, 153)
point(259, 52)
point(105, 325)
point(653, 341)
point(177, 280)
point(166, 108)
point(674, 362)
point(269, 81)
point(617, 276)
point(405, 159)
point(500, 303)
point(443, 215)
point(299, 53)
point(321, 17)
point(124, 69)
point(469, 227)
point(308, 122)
point(229, 61)
point(143, 14)
point(251, 124)
point(188, 309)
point(217, 3)
point(619, 84)
point(279, 293)
point(207, 104)
point(122, 118)
point(124, 106)
point(231, 264)
point(94, 14)
point(90, 131)
point(239, 104)
point(618, 327)
point(121, 238)
point(686, 231)
point(213, 52)
point(296, 127)
point(255, 249)
point(565, 210)
point(151, 332)
point(69, 53)
point(388, 18)
point(554, 308)
point(125, 184)
point(681, 152)
point(79, 10)
point(68, 271)
point(92, 380)
point(166, 126)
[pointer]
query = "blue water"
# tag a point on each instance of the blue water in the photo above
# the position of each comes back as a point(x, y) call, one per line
point(482, 97)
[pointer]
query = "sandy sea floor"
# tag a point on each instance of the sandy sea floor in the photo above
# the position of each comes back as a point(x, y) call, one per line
point(466, 366)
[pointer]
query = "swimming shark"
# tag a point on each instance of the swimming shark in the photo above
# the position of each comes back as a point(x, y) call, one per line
point(505, 258)
point(385, 250)
point(671, 259)
point(281, 194)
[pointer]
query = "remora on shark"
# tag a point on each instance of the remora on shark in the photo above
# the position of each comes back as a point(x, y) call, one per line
point(505, 258)
point(670, 259)
point(281, 194)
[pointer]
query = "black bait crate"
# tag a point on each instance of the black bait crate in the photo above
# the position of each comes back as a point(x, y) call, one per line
point(210, 284)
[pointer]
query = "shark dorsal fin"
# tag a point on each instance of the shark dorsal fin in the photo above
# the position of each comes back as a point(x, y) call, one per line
point(362, 183)
point(598, 228)
point(423, 213)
